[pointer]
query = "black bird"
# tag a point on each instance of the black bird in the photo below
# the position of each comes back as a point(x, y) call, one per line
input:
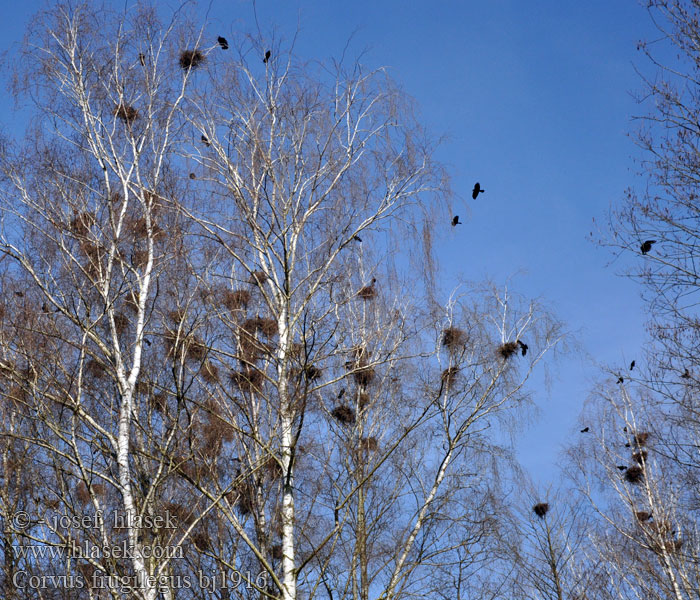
point(357, 238)
point(646, 246)
point(627, 445)
point(267, 56)
point(142, 59)
point(477, 190)
point(686, 374)
point(624, 429)
point(632, 365)
point(585, 430)
point(193, 176)
point(19, 294)
point(222, 42)
point(455, 220)
point(205, 140)
point(621, 468)
point(148, 342)
point(523, 347)
point(341, 394)
point(620, 379)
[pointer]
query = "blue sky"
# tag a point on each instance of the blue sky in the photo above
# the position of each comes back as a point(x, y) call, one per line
point(534, 99)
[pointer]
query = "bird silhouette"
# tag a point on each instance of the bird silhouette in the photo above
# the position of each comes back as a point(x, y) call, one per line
point(523, 347)
point(341, 394)
point(455, 220)
point(632, 365)
point(585, 430)
point(193, 176)
point(686, 374)
point(267, 56)
point(205, 140)
point(620, 379)
point(222, 42)
point(621, 467)
point(477, 190)
point(19, 294)
point(148, 342)
point(142, 59)
point(646, 246)
point(357, 238)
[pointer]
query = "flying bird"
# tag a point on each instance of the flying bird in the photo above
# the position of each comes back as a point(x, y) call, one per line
point(646, 246)
point(455, 220)
point(267, 56)
point(222, 42)
point(205, 140)
point(477, 190)
point(632, 365)
point(523, 347)
point(585, 430)
point(142, 59)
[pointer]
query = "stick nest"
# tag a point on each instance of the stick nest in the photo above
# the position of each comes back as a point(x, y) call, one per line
point(191, 59)
point(507, 350)
point(541, 509)
point(344, 414)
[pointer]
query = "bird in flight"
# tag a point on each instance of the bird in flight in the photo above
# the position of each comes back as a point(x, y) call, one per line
point(222, 42)
point(267, 56)
point(585, 430)
point(477, 190)
point(632, 364)
point(646, 246)
point(523, 347)
point(455, 220)
point(205, 140)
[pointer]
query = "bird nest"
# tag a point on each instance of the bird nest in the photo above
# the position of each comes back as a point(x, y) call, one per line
point(367, 293)
point(248, 379)
point(235, 299)
point(126, 113)
point(453, 338)
point(642, 515)
point(640, 457)
point(209, 372)
point(364, 400)
point(268, 327)
point(344, 414)
point(641, 438)
point(449, 376)
point(508, 349)
point(312, 373)
point(634, 474)
point(191, 59)
point(369, 444)
point(541, 509)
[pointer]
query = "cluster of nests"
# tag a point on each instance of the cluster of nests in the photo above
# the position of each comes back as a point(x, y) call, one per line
point(635, 472)
point(454, 339)
point(364, 374)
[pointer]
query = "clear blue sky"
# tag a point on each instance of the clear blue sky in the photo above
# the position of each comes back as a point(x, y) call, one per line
point(534, 98)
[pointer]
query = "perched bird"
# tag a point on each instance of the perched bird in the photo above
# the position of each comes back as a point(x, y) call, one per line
point(627, 445)
point(357, 238)
point(205, 140)
point(341, 394)
point(19, 294)
point(222, 42)
point(142, 59)
point(193, 176)
point(621, 467)
point(585, 430)
point(686, 374)
point(455, 220)
point(624, 429)
point(523, 347)
point(477, 190)
point(632, 365)
point(620, 379)
point(267, 56)
point(646, 246)
point(148, 342)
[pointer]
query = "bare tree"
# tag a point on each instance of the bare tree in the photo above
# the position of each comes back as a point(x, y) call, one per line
point(226, 331)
